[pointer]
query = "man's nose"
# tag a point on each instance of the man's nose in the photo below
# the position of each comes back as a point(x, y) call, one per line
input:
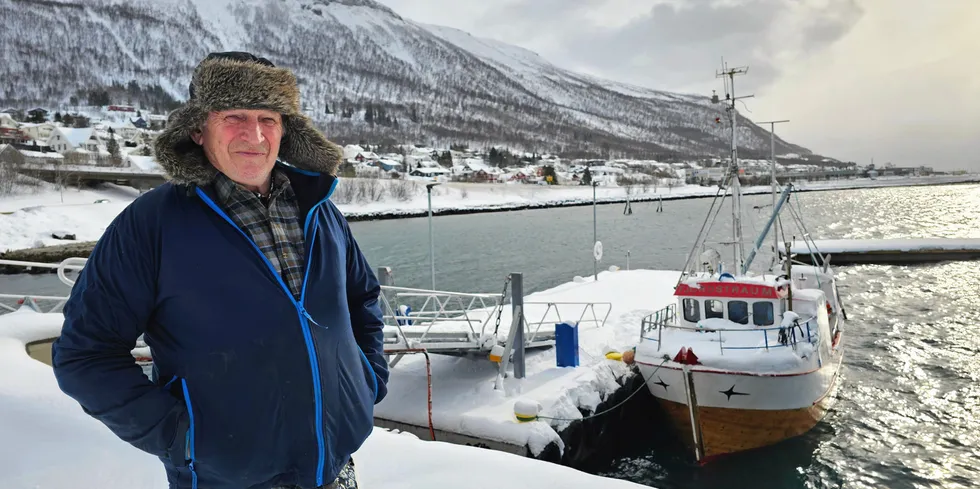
point(252, 132)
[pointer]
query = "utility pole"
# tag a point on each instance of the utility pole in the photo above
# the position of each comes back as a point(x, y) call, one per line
point(728, 74)
point(775, 185)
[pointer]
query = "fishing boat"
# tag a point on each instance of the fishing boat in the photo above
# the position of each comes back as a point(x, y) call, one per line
point(744, 360)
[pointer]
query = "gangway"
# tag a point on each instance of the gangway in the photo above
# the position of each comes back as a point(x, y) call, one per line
point(460, 323)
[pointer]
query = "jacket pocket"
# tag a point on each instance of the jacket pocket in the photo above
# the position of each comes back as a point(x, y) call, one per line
point(373, 382)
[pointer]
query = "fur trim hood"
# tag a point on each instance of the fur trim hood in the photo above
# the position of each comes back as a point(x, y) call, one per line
point(240, 81)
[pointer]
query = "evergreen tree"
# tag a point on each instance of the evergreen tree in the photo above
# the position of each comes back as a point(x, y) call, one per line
point(587, 177)
point(73, 101)
point(139, 113)
point(68, 120)
point(57, 117)
point(113, 148)
point(146, 151)
point(549, 174)
point(446, 159)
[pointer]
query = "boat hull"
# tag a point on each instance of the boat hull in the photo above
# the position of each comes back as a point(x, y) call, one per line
point(741, 411)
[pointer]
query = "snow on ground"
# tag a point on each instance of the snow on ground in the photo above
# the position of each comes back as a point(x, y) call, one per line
point(48, 442)
point(30, 215)
point(870, 245)
point(464, 399)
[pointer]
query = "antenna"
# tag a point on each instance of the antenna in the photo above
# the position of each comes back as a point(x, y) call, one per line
point(729, 74)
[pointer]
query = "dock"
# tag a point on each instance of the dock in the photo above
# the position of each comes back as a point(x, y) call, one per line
point(469, 405)
point(889, 251)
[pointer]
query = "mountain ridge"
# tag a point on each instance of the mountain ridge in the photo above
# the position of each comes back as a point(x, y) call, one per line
point(366, 73)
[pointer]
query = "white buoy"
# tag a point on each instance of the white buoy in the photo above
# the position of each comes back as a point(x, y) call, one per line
point(614, 268)
point(526, 410)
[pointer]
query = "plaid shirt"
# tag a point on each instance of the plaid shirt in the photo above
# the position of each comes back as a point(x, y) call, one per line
point(274, 228)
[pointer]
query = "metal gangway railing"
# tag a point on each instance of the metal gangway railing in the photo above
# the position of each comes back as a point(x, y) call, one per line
point(58, 302)
point(460, 323)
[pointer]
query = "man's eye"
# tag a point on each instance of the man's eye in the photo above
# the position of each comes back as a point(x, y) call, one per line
point(234, 118)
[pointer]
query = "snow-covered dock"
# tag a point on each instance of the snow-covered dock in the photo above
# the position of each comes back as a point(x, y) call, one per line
point(48, 442)
point(467, 408)
point(893, 251)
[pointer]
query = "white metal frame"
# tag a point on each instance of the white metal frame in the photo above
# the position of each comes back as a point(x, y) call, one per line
point(73, 263)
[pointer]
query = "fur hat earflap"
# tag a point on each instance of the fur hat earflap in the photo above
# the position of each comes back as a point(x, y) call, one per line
point(225, 81)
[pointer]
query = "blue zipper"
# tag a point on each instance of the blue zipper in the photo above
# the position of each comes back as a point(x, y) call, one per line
point(304, 316)
point(190, 431)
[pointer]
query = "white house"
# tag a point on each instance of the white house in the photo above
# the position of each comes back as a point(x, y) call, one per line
point(7, 121)
point(65, 139)
point(38, 132)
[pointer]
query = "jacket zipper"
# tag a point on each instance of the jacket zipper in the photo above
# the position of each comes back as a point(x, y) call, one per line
point(189, 448)
point(304, 316)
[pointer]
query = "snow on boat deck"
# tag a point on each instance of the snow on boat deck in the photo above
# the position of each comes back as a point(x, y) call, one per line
point(464, 399)
point(49, 442)
point(853, 251)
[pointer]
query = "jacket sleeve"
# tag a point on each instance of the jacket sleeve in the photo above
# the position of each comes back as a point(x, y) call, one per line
point(363, 290)
point(109, 307)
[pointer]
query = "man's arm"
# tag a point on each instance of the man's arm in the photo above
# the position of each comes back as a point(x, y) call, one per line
point(108, 309)
point(366, 319)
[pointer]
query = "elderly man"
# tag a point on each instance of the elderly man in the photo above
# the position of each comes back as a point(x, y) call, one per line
point(245, 281)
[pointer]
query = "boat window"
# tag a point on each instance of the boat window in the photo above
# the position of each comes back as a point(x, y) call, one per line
point(762, 314)
point(714, 309)
point(738, 312)
point(692, 310)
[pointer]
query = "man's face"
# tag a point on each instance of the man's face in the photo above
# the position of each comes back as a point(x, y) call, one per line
point(242, 144)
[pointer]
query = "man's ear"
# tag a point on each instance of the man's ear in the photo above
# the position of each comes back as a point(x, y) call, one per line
point(197, 136)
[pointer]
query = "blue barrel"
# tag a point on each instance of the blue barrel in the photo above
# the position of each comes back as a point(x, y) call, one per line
point(566, 344)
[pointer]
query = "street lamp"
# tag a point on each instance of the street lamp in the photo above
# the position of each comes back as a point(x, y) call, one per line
point(595, 239)
point(432, 256)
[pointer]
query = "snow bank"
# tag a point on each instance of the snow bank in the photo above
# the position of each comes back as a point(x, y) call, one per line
point(464, 399)
point(871, 245)
point(49, 443)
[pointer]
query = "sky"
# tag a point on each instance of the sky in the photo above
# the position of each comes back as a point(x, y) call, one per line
point(895, 81)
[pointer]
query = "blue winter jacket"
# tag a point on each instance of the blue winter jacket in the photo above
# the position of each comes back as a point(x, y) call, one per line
point(265, 389)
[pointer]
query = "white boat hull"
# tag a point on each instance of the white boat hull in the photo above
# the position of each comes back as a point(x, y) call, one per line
point(738, 411)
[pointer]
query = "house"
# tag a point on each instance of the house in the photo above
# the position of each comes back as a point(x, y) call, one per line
point(388, 165)
point(366, 156)
point(9, 135)
point(7, 120)
point(138, 122)
point(157, 122)
point(147, 164)
point(20, 154)
point(427, 172)
point(64, 139)
point(37, 113)
point(40, 132)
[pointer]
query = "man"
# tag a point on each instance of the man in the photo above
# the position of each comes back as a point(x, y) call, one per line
point(246, 283)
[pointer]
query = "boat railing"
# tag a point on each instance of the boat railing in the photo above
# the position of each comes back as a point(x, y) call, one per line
point(60, 268)
point(653, 326)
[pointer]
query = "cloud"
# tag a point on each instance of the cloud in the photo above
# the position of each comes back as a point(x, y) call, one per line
point(671, 45)
point(888, 79)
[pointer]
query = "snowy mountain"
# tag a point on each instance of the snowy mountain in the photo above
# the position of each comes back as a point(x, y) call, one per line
point(366, 74)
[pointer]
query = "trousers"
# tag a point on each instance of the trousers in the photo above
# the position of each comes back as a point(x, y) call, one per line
point(347, 479)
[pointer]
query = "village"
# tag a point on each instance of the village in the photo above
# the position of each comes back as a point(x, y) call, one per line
point(114, 143)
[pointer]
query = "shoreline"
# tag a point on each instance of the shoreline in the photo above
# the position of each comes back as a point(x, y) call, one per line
point(56, 251)
point(387, 215)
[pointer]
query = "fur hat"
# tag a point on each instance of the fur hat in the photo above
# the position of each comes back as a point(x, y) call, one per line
point(224, 81)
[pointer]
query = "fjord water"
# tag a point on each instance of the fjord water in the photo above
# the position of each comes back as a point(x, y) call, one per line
point(908, 409)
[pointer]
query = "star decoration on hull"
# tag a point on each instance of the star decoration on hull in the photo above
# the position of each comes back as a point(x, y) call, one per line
point(731, 392)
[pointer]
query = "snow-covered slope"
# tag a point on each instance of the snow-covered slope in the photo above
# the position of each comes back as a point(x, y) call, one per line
point(366, 73)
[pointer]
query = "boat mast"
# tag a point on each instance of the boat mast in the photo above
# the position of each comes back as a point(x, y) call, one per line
point(775, 185)
point(730, 99)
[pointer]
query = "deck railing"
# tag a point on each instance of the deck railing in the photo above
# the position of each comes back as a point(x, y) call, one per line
point(59, 301)
point(653, 326)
